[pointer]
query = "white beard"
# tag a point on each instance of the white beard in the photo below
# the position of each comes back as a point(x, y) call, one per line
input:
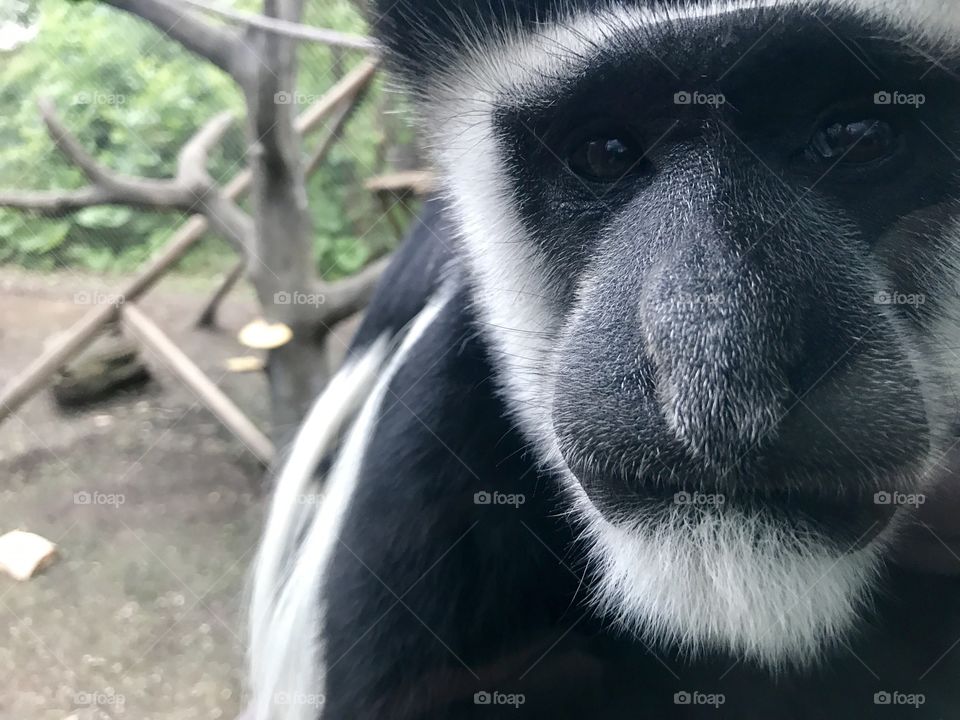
point(717, 579)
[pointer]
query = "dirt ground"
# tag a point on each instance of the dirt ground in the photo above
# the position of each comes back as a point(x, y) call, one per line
point(156, 510)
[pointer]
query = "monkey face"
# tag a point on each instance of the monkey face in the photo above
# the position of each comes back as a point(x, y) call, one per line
point(714, 249)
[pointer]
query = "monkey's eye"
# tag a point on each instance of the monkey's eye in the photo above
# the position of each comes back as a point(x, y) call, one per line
point(857, 143)
point(605, 156)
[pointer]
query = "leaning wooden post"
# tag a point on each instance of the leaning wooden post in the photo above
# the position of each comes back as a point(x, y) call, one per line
point(144, 330)
point(208, 316)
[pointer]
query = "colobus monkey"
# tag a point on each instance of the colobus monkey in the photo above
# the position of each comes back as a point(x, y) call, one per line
point(654, 416)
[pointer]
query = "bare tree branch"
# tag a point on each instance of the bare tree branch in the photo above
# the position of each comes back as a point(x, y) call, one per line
point(335, 128)
point(351, 295)
point(290, 29)
point(262, 60)
point(228, 219)
point(69, 146)
point(215, 43)
point(208, 316)
point(349, 85)
point(194, 156)
point(55, 203)
point(192, 190)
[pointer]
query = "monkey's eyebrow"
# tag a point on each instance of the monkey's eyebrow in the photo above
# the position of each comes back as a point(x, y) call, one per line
point(647, 72)
point(536, 66)
point(560, 48)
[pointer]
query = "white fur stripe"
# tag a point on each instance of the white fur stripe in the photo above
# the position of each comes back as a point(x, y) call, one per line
point(289, 510)
point(286, 671)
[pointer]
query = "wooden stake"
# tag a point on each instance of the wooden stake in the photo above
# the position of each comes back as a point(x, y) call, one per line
point(208, 317)
point(143, 328)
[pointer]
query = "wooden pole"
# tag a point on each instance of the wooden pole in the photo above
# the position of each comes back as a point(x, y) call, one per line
point(208, 316)
point(85, 330)
point(36, 375)
point(143, 328)
point(22, 387)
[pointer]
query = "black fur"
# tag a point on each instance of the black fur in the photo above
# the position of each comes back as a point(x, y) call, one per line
point(410, 279)
point(707, 312)
point(433, 598)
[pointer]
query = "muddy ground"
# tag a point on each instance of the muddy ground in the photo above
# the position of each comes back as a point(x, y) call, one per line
point(155, 508)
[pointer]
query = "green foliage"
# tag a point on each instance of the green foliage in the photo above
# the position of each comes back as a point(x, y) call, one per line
point(133, 97)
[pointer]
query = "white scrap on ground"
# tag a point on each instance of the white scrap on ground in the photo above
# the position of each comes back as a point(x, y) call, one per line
point(23, 554)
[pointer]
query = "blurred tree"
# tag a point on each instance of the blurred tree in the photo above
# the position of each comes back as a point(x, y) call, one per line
point(134, 97)
point(276, 236)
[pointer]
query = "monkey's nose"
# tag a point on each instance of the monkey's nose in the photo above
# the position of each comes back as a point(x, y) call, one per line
point(737, 389)
point(721, 367)
point(720, 397)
